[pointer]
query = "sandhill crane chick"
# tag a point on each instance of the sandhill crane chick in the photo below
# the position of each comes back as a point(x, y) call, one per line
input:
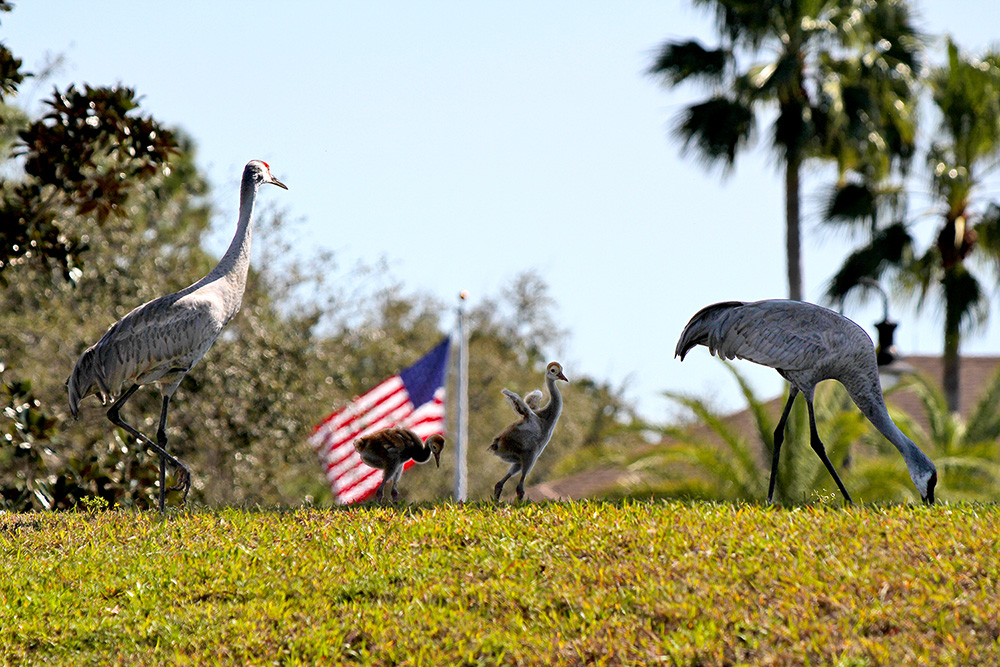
point(522, 442)
point(390, 448)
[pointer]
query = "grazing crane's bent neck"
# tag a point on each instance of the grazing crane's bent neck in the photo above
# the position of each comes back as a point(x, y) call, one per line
point(872, 405)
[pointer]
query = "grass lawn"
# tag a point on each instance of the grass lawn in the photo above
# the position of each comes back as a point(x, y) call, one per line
point(633, 583)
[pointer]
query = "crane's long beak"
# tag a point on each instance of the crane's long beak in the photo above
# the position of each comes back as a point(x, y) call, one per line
point(437, 459)
point(275, 181)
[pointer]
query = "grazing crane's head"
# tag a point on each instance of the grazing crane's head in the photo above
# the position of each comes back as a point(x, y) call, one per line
point(259, 172)
point(554, 371)
point(925, 485)
point(436, 444)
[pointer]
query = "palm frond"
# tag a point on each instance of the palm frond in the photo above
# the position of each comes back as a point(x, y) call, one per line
point(709, 464)
point(941, 421)
point(888, 248)
point(677, 62)
point(881, 479)
point(850, 203)
point(717, 128)
point(988, 234)
point(762, 420)
point(736, 446)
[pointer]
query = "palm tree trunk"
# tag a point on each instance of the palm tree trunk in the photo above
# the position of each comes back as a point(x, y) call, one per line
point(792, 242)
point(951, 360)
point(952, 366)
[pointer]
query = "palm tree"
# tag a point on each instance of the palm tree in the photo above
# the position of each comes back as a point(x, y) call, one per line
point(966, 94)
point(830, 68)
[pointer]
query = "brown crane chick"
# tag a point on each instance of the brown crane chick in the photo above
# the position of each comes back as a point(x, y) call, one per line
point(390, 448)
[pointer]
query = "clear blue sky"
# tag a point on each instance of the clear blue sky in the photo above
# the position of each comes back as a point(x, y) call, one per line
point(467, 142)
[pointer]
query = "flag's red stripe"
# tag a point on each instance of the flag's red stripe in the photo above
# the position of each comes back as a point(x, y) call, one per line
point(373, 478)
point(384, 408)
point(343, 448)
point(352, 414)
point(359, 407)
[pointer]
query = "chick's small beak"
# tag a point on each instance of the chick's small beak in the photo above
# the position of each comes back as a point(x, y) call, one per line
point(563, 377)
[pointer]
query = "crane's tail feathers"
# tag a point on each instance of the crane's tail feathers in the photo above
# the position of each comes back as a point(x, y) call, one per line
point(700, 327)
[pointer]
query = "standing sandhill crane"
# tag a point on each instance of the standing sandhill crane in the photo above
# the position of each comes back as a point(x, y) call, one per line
point(521, 443)
point(389, 448)
point(160, 341)
point(806, 343)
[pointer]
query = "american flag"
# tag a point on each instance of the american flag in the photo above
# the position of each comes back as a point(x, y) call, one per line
point(413, 398)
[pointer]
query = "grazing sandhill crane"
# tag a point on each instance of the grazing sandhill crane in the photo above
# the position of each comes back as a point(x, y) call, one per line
point(521, 443)
point(806, 343)
point(389, 448)
point(160, 341)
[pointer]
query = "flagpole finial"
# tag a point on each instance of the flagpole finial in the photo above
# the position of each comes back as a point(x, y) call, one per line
point(463, 295)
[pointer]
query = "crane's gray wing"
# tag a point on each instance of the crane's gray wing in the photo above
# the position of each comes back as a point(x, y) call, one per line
point(159, 338)
point(781, 335)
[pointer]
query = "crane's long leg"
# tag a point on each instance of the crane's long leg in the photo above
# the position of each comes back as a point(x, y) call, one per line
point(395, 480)
point(387, 476)
point(183, 482)
point(113, 414)
point(820, 450)
point(525, 469)
point(779, 438)
point(526, 466)
point(498, 489)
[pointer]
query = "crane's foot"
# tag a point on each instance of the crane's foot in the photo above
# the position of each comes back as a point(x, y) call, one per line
point(497, 490)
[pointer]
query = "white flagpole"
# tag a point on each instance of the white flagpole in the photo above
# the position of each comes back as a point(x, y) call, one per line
point(461, 442)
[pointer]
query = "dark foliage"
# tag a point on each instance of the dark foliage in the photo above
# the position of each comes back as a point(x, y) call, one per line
point(83, 158)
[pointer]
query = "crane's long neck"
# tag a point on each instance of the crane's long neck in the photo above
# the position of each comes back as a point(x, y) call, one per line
point(235, 263)
point(415, 448)
point(872, 405)
point(550, 413)
point(421, 453)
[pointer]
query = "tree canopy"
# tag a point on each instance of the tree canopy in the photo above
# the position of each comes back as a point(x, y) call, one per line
point(107, 209)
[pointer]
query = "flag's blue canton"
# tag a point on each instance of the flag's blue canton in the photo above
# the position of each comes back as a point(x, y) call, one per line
point(423, 378)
